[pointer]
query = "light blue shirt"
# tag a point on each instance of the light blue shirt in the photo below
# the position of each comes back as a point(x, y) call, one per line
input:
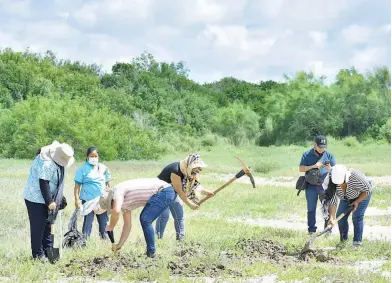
point(45, 170)
point(92, 180)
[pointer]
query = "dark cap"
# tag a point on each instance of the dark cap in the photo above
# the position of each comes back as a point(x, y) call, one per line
point(321, 141)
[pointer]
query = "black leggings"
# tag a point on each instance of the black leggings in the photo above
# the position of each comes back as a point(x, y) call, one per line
point(40, 236)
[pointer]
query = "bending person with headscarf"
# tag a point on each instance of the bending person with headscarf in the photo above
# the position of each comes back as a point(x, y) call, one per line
point(352, 188)
point(183, 176)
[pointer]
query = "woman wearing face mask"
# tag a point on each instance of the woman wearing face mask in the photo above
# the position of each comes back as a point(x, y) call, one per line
point(182, 176)
point(91, 180)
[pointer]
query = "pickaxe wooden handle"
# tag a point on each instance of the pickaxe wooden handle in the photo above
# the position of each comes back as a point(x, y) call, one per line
point(244, 171)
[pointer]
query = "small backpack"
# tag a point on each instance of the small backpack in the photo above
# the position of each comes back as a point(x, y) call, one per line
point(313, 177)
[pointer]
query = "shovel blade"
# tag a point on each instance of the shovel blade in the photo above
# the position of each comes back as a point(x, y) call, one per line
point(53, 254)
point(309, 244)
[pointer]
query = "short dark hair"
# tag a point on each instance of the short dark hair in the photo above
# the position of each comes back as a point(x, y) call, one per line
point(91, 149)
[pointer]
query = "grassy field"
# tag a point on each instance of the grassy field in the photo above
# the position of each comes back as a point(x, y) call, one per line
point(215, 248)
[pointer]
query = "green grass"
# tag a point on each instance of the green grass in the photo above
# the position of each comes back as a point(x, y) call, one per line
point(208, 226)
point(381, 197)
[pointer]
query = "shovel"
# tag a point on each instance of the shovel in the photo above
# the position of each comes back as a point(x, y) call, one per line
point(54, 254)
point(313, 238)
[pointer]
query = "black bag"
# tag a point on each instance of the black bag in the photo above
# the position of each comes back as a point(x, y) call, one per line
point(74, 239)
point(300, 185)
point(63, 203)
point(313, 177)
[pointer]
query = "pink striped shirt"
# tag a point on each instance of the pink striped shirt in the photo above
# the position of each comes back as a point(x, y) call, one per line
point(137, 192)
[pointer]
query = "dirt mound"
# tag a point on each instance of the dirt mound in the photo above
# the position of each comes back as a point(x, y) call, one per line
point(186, 269)
point(190, 249)
point(183, 266)
point(319, 255)
point(94, 266)
point(262, 248)
point(255, 250)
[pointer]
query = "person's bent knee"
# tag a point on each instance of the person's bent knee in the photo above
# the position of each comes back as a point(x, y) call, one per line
point(358, 219)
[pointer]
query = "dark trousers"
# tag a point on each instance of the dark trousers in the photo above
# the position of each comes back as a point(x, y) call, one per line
point(40, 237)
point(357, 219)
point(88, 223)
point(313, 195)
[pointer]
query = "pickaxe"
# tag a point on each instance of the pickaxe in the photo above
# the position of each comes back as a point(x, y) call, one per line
point(244, 171)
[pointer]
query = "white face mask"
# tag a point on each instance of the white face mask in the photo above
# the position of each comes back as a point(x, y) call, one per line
point(93, 160)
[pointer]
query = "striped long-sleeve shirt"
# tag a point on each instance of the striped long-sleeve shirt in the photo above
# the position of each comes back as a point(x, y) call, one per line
point(357, 183)
point(135, 193)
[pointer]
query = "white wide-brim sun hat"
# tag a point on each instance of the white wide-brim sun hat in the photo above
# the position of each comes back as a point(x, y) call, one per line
point(61, 153)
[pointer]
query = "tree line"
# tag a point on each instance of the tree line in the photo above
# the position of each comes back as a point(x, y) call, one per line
point(145, 108)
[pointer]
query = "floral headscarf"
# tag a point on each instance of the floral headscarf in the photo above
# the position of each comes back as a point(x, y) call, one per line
point(191, 181)
point(192, 161)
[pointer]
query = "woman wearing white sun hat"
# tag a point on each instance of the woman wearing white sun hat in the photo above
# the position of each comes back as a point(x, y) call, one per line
point(353, 189)
point(43, 193)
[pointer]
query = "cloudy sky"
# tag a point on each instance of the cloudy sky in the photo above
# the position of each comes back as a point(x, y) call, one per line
point(248, 39)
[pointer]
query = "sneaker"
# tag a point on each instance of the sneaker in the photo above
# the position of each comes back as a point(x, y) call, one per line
point(357, 244)
point(180, 238)
point(42, 259)
point(151, 254)
point(342, 245)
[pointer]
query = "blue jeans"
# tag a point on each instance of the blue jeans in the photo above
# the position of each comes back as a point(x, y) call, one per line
point(88, 223)
point(177, 211)
point(157, 204)
point(313, 194)
point(357, 219)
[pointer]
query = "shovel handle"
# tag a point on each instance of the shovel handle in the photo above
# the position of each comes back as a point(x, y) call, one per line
point(111, 236)
point(348, 210)
point(52, 229)
point(329, 227)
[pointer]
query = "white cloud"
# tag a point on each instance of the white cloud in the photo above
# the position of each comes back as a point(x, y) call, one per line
point(366, 59)
point(114, 11)
point(249, 39)
point(355, 34)
point(319, 38)
point(17, 8)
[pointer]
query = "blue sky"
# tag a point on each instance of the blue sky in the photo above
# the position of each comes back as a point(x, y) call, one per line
point(248, 39)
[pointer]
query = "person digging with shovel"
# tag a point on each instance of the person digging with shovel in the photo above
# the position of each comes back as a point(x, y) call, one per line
point(352, 188)
point(44, 196)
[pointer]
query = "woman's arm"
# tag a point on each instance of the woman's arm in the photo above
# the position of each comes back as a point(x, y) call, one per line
point(127, 217)
point(362, 197)
point(332, 212)
point(177, 185)
point(108, 177)
point(45, 191)
point(114, 217)
point(76, 195)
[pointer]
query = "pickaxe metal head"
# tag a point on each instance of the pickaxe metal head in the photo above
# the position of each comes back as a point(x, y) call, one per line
point(245, 171)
